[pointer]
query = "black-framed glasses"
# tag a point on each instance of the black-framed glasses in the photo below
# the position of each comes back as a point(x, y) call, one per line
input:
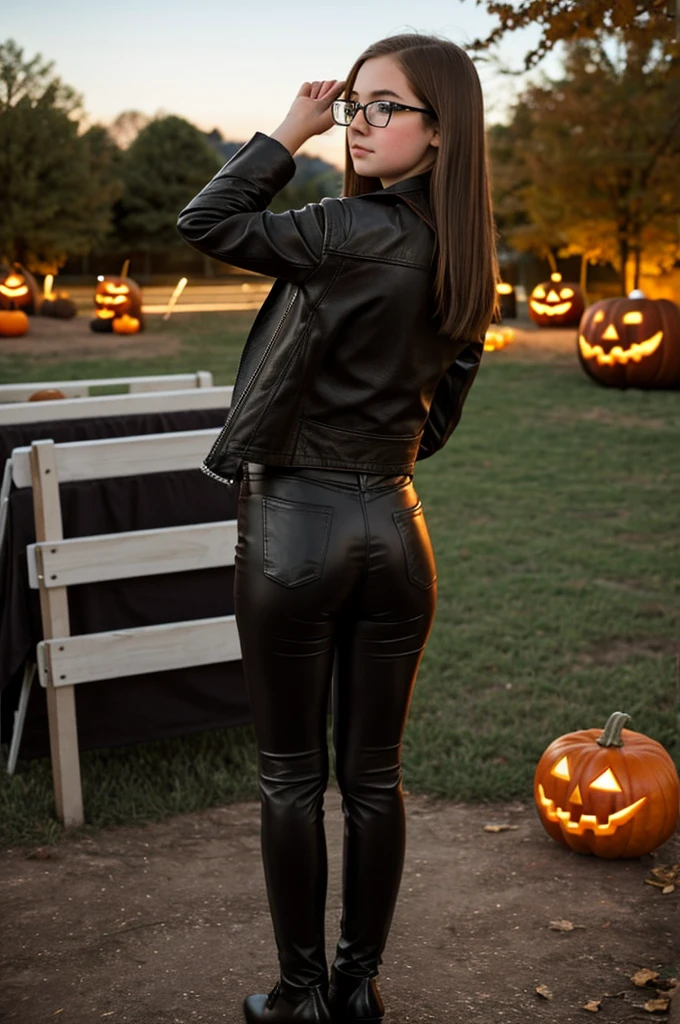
point(377, 112)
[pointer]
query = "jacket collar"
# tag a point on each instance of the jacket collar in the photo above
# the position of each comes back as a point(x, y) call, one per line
point(415, 192)
point(418, 183)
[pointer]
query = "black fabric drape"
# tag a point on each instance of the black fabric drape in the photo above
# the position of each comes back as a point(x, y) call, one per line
point(22, 434)
point(151, 705)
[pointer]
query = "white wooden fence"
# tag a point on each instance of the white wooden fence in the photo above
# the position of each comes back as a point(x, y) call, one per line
point(65, 661)
point(84, 388)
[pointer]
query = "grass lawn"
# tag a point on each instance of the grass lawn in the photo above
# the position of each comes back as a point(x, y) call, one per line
point(554, 512)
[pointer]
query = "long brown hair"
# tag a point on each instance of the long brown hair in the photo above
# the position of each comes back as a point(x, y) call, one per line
point(444, 78)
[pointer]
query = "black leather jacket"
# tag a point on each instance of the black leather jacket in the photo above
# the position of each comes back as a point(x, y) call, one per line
point(343, 366)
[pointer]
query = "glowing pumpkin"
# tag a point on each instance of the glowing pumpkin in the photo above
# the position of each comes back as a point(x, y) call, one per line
point(497, 338)
point(125, 324)
point(18, 289)
point(612, 792)
point(555, 303)
point(13, 323)
point(507, 300)
point(631, 342)
point(116, 297)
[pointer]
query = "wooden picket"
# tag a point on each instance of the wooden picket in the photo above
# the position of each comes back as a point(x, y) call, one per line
point(65, 661)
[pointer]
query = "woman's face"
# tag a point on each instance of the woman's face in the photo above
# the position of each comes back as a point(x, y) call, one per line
point(405, 147)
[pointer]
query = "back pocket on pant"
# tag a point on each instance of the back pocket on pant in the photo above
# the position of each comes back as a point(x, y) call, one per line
point(295, 540)
point(415, 539)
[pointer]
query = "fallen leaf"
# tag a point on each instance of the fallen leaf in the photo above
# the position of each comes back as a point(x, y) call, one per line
point(668, 888)
point(666, 872)
point(594, 1005)
point(664, 875)
point(641, 977)
point(564, 926)
point(656, 1005)
point(500, 828)
point(544, 991)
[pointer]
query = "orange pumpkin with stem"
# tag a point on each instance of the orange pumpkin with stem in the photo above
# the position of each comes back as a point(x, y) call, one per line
point(125, 324)
point(46, 395)
point(13, 323)
point(612, 792)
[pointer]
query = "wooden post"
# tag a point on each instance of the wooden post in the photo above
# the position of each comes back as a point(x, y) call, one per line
point(61, 706)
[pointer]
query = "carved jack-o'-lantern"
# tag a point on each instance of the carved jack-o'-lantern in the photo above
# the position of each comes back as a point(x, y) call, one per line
point(611, 792)
point(633, 342)
point(507, 301)
point(555, 303)
point(18, 289)
point(116, 297)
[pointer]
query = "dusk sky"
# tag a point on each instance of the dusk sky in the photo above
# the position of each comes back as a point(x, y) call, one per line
point(235, 66)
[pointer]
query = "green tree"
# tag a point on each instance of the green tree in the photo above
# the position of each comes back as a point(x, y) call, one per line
point(126, 126)
point(104, 168)
point(32, 80)
point(166, 165)
point(56, 186)
point(523, 226)
point(301, 190)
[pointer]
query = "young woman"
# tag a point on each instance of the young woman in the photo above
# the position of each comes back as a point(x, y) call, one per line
point(356, 367)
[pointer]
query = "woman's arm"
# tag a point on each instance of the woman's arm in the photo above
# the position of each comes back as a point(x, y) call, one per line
point(229, 220)
point(449, 397)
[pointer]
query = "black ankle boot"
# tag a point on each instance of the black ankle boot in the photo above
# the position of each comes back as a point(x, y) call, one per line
point(354, 999)
point(288, 1006)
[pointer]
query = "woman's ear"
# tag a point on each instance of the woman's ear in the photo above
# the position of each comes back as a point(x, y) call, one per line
point(434, 141)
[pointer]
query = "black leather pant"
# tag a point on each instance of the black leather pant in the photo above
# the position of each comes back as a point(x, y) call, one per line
point(326, 561)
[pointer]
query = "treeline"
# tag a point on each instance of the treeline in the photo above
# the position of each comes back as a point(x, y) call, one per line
point(587, 165)
point(76, 200)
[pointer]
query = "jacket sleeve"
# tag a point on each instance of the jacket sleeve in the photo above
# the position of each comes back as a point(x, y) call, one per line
point(449, 397)
point(228, 219)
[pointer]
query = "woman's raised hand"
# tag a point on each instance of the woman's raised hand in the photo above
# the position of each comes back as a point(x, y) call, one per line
point(309, 114)
point(312, 105)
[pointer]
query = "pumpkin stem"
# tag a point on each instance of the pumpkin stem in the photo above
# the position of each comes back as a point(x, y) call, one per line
point(611, 734)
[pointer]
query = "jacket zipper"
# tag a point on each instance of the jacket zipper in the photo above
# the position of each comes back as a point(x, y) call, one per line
point(220, 479)
point(244, 393)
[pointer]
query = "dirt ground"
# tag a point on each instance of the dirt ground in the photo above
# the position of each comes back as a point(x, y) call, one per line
point(168, 923)
point(73, 339)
